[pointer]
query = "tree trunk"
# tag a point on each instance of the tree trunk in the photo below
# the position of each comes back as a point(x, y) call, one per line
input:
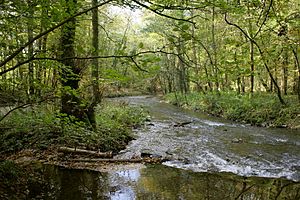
point(69, 74)
point(195, 59)
point(41, 73)
point(95, 67)
point(214, 48)
point(251, 53)
point(285, 73)
point(251, 67)
point(30, 47)
point(298, 66)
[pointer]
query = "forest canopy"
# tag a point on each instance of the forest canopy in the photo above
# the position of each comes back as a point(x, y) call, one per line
point(75, 52)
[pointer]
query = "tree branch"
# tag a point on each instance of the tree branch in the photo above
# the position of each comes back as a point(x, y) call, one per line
point(135, 63)
point(89, 58)
point(161, 14)
point(265, 19)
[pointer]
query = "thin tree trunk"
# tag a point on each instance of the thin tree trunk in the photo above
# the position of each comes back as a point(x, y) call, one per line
point(285, 73)
point(251, 52)
point(30, 47)
point(251, 67)
point(214, 47)
point(41, 70)
point(298, 66)
point(243, 85)
point(195, 59)
point(95, 66)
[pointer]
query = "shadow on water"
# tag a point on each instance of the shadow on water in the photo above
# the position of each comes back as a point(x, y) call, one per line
point(159, 182)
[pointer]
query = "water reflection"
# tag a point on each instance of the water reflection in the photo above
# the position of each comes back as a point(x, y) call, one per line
point(160, 182)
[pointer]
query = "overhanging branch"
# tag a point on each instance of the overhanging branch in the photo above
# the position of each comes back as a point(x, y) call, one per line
point(164, 15)
point(87, 58)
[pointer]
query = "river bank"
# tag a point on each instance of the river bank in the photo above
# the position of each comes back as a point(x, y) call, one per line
point(257, 109)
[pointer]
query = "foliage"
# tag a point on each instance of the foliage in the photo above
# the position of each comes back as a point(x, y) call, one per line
point(42, 127)
point(114, 124)
point(260, 109)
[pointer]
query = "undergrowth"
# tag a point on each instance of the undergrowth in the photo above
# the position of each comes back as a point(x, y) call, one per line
point(41, 127)
point(259, 109)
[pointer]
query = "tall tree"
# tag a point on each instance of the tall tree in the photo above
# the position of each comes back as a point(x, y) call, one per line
point(69, 72)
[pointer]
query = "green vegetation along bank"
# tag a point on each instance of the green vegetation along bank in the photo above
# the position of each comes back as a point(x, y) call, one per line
point(42, 127)
point(258, 109)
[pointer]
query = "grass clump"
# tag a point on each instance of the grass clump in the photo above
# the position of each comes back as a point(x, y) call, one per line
point(259, 109)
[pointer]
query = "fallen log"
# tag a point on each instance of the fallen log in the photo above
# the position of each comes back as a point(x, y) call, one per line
point(87, 152)
point(115, 160)
point(112, 160)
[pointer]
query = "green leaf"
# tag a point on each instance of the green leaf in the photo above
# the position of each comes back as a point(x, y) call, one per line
point(141, 45)
point(185, 27)
point(171, 39)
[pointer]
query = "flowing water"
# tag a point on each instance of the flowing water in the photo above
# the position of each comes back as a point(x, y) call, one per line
point(209, 159)
point(210, 144)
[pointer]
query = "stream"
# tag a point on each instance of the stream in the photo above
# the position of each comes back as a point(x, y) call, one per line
point(209, 144)
point(208, 158)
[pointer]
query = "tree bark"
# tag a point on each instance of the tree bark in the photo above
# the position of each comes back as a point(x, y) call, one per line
point(285, 72)
point(95, 67)
point(251, 67)
point(69, 73)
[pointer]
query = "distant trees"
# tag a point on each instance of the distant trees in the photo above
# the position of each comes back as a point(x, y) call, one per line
point(244, 46)
point(59, 47)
